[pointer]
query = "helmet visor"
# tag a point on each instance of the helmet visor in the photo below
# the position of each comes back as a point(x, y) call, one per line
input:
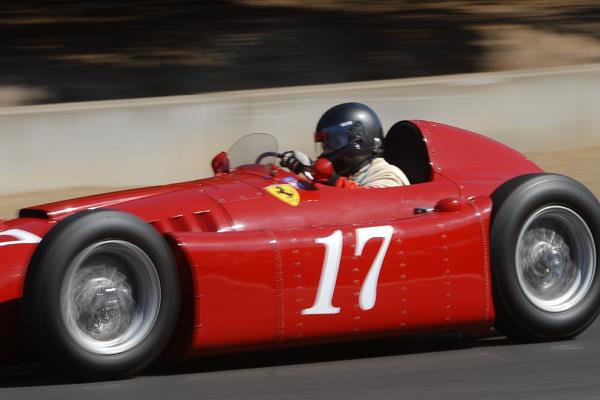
point(334, 137)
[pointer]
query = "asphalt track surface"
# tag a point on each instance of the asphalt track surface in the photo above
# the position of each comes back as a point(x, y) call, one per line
point(430, 368)
point(412, 368)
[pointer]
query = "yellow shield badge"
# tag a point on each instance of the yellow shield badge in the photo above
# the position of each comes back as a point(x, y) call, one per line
point(284, 192)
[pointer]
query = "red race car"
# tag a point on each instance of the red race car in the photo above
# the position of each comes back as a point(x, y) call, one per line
point(257, 257)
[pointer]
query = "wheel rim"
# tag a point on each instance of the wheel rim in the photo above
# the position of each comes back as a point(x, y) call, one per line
point(555, 258)
point(110, 297)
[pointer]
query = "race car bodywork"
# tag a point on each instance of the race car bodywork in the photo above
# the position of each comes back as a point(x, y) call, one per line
point(267, 259)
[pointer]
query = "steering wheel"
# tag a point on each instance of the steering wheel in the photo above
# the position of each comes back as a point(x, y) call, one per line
point(267, 154)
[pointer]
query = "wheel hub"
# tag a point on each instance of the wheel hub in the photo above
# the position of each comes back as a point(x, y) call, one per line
point(110, 297)
point(549, 263)
point(555, 258)
point(105, 308)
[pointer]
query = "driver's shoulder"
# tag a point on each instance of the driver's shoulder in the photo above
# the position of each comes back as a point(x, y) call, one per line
point(380, 169)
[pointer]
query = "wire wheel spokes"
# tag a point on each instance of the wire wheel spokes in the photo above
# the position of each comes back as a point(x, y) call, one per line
point(555, 258)
point(110, 298)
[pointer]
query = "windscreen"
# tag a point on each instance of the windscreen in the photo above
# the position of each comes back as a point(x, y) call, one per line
point(250, 147)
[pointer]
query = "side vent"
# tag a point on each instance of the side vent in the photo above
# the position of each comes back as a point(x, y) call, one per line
point(158, 225)
point(200, 221)
point(205, 221)
point(180, 224)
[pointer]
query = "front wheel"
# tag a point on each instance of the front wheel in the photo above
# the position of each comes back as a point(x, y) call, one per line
point(544, 243)
point(101, 295)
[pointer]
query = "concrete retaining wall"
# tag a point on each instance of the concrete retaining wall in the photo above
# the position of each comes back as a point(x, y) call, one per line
point(159, 140)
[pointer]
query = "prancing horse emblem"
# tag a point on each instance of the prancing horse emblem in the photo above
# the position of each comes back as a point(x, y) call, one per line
point(284, 192)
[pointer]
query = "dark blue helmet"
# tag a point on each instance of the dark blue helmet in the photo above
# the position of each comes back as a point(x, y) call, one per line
point(350, 135)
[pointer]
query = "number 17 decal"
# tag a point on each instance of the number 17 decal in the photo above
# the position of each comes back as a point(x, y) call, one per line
point(333, 255)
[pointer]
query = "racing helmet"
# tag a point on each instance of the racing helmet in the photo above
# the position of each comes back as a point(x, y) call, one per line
point(350, 135)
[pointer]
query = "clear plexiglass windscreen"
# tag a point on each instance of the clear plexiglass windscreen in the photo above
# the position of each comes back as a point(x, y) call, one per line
point(248, 148)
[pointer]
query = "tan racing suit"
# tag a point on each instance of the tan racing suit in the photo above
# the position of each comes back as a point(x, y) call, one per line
point(379, 173)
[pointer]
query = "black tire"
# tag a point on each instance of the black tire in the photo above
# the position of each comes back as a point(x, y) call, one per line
point(544, 244)
point(90, 297)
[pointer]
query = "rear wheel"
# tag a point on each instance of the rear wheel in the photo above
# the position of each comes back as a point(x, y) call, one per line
point(102, 295)
point(544, 246)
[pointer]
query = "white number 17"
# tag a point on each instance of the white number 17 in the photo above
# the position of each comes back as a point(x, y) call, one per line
point(333, 255)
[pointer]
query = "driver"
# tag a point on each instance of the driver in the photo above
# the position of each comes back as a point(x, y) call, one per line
point(351, 137)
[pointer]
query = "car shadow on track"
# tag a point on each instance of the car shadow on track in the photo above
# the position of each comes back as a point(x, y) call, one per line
point(327, 353)
point(33, 374)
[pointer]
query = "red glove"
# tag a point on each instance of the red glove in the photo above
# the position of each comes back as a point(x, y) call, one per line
point(324, 173)
point(345, 183)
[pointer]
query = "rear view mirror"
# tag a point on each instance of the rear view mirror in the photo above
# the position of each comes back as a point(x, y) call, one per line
point(220, 163)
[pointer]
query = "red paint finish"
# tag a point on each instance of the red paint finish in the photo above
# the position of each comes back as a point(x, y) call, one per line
point(329, 205)
point(482, 205)
point(432, 269)
point(237, 283)
point(479, 164)
point(256, 262)
point(432, 279)
point(14, 260)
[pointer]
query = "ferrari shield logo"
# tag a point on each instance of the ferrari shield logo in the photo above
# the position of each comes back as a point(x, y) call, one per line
point(286, 193)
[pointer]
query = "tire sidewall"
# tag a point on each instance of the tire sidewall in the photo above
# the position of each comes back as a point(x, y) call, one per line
point(50, 265)
point(528, 197)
